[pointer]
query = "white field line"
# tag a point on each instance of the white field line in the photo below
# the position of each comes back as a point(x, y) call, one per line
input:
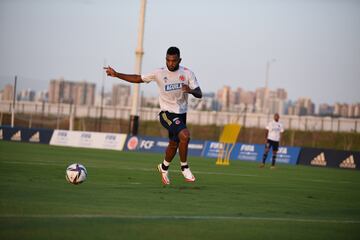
point(164, 217)
point(197, 172)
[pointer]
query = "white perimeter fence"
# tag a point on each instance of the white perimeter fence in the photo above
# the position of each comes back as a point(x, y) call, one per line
point(306, 123)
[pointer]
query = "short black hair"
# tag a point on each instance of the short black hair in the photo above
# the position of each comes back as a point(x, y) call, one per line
point(173, 51)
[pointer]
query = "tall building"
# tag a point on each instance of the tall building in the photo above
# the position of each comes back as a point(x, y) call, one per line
point(42, 96)
point(347, 110)
point(247, 97)
point(223, 96)
point(303, 106)
point(121, 95)
point(275, 105)
point(7, 93)
point(84, 93)
point(208, 102)
point(268, 101)
point(281, 94)
point(356, 107)
point(326, 110)
point(260, 99)
point(340, 109)
point(26, 95)
point(79, 93)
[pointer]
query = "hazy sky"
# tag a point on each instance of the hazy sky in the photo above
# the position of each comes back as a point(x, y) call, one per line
point(316, 43)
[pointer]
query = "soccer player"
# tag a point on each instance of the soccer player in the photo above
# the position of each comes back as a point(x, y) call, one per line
point(175, 83)
point(273, 134)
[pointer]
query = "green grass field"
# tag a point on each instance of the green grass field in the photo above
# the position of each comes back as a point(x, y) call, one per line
point(123, 198)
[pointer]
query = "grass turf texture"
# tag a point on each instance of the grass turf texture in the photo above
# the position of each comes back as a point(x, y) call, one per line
point(123, 198)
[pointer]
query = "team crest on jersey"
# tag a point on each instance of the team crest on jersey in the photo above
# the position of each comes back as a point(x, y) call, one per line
point(165, 79)
point(173, 86)
point(177, 121)
point(182, 78)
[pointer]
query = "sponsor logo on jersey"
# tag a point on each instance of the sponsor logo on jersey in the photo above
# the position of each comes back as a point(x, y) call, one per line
point(173, 87)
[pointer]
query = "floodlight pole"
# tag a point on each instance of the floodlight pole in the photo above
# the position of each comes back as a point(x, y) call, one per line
point(266, 93)
point(13, 104)
point(134, 117)
point(102, 98)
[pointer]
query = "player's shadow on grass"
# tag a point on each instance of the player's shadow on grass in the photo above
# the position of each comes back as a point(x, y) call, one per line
point(183, 188)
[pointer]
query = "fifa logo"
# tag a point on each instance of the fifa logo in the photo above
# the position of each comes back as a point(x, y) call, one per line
point(282, 150)
point(110, 137)
point(62, 134)
point(86, 135)
point(247, 148)
point(216, 145)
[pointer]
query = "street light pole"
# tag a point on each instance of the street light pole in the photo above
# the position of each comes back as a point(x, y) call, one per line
point(266, 93)
point(134, 117)
point(102, 98)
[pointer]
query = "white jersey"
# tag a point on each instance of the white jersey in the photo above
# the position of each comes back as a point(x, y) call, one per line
point(275, 128)
point(171, 98)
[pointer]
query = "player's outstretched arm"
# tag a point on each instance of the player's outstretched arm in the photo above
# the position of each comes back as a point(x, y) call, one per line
point(132, 78)
point(195, 92)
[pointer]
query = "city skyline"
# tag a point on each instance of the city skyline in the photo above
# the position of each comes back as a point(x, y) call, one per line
point(262, 100)
point(316, 44)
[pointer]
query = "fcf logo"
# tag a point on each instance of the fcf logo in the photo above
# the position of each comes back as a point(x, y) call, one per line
point(147, 144)
point(132, 143)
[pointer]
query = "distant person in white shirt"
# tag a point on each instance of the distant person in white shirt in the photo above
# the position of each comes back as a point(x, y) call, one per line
point(175, 83)
point(273, 135)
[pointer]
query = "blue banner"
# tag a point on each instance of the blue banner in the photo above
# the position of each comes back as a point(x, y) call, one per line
point(35, 135)
point(251, 152)
point(211, 149)
point(285, 154)
point(159, 145)
point(248, 152)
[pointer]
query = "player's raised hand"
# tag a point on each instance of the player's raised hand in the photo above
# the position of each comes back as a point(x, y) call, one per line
point(110, 71)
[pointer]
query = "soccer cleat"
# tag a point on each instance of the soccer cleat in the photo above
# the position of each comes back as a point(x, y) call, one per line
point(164, 175)
point(262, 165)
point(189, 177)
point(272, 167)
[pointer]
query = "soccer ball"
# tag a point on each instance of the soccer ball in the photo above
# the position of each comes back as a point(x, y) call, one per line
point(76, 173)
